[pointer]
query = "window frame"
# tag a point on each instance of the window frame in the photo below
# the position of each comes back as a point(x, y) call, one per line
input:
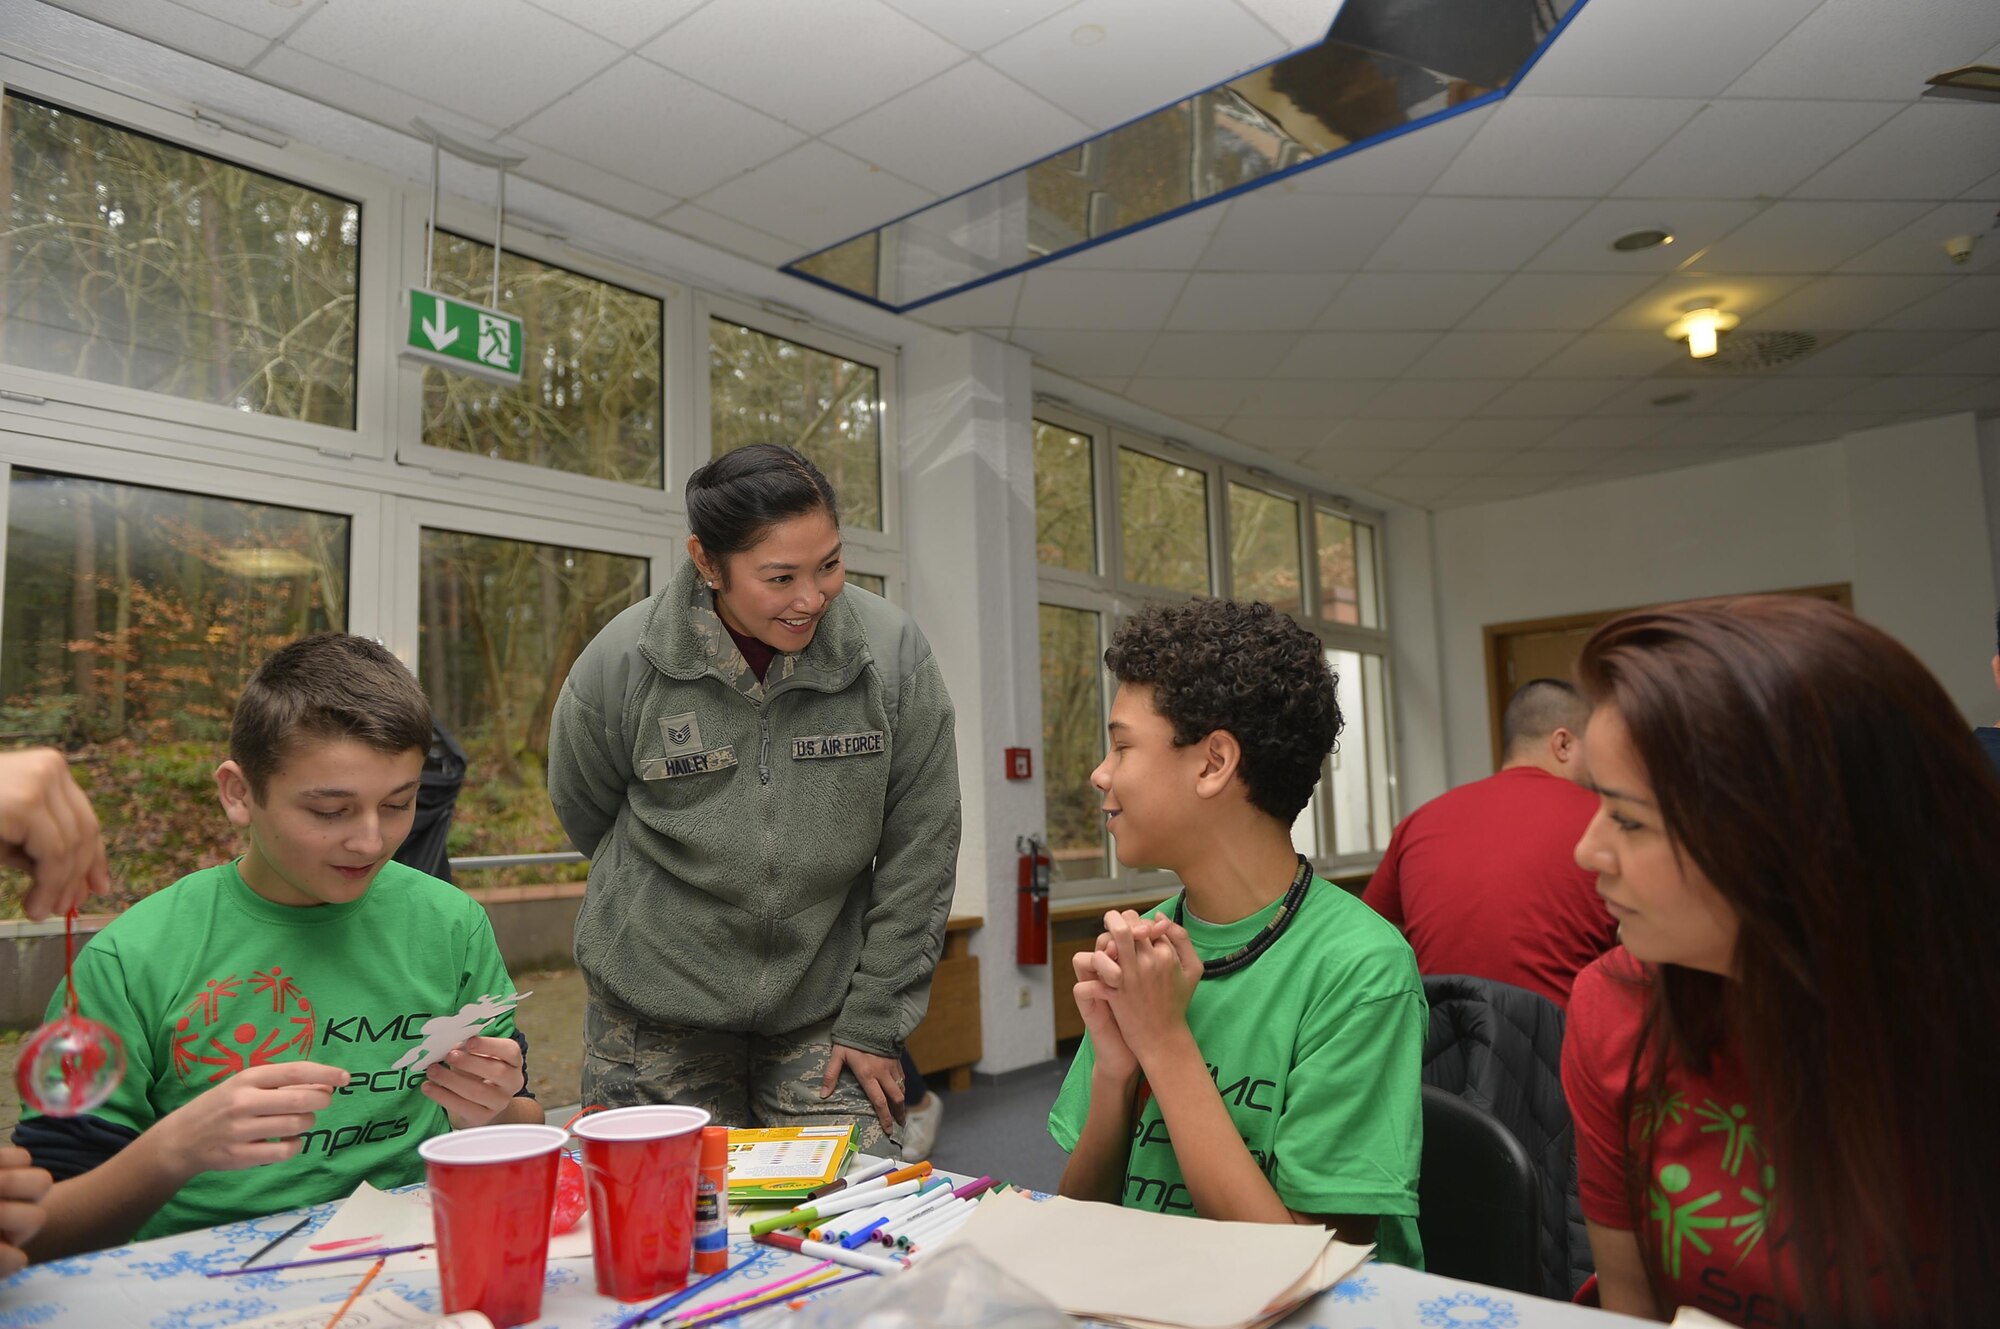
point(888, 541)
point(457, 217)
point(1099, 434)
point(374, 194)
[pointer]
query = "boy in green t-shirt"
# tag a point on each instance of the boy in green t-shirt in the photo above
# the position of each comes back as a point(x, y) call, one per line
point(1255, 1042)
point(264, 1004)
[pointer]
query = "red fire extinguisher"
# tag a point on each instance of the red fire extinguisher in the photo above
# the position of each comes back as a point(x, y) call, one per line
point(1031, 924)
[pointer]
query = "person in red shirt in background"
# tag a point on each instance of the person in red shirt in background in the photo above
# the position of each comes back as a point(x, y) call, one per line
point(1782, 1081)
point(1483, 880)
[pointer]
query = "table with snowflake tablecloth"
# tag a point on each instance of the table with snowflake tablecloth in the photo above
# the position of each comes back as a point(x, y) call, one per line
point(164, 1285)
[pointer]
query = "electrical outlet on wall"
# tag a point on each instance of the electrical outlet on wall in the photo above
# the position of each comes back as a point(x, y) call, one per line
point(1025, 997)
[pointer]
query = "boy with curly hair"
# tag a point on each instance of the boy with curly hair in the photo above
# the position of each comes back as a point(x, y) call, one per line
point(1254, 1043)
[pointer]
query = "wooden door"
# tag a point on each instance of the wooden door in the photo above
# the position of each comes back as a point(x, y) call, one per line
point(1548, 648)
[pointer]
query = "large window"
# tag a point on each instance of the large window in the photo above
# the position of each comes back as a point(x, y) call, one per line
point(590, 401)
point(1306, 554)
point(500, 624)
point(766, 389)
point(133, 616)
point(129, 261)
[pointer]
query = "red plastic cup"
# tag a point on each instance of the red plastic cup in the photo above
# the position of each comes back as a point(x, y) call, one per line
point(492, 1190)
point(640, 1164)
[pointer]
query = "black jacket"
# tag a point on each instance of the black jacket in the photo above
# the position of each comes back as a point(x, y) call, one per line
point(1499, 1048)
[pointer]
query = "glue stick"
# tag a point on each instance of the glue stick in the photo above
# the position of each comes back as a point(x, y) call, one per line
point(711, 1203)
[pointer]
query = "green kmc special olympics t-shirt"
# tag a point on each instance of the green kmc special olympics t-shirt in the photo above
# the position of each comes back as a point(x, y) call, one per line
point(1317, 1049)
point(208, 978)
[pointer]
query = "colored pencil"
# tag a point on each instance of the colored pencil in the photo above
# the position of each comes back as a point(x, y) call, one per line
point(273, 1243)
point(767, 1301)
point(383, 1251)
point(359, 1288)
point(668, 1302)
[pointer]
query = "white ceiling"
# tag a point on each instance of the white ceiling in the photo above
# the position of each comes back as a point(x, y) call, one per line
point(1439, 319)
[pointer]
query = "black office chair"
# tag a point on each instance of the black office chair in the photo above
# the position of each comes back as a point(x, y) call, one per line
point(1480, 1198)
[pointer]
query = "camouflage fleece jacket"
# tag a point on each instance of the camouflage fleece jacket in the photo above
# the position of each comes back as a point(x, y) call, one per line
point(763, 856)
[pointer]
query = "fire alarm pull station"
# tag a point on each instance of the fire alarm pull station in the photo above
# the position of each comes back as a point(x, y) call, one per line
point(1020, 764)
point(1031, 922)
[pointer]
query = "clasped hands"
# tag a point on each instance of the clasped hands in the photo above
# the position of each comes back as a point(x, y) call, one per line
point(1133, 990)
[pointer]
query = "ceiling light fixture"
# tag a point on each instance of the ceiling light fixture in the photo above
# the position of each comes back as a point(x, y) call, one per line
point(1625, 244)
point(1701, 326)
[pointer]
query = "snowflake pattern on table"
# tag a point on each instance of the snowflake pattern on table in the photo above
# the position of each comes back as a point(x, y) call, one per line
point(214, 1314)
point(20, 1317)
point(184, 1263)
point(1467, 1308)
point(1358, 1288)
point(76, 1266)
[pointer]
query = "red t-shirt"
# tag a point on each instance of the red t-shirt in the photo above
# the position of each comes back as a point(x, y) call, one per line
point(1483, 881)
point(1706, 1202)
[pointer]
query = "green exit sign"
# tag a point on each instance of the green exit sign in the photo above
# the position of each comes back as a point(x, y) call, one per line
point(463, 336)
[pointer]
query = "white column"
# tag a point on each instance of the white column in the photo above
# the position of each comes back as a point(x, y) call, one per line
point(968, 502)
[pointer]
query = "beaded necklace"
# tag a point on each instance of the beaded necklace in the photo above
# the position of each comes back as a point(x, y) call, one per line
point(1240, 958)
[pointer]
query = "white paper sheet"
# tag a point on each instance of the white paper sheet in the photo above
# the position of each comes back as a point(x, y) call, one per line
point(371, 1218)
point(384, 1310)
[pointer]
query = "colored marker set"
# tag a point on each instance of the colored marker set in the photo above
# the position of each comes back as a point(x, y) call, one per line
point(907, 1211)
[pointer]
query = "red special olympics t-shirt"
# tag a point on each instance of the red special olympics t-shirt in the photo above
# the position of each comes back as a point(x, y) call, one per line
point(1483, 881)
point(1706, 1203)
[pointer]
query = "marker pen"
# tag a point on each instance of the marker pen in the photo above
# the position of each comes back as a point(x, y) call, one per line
point(819, 1250)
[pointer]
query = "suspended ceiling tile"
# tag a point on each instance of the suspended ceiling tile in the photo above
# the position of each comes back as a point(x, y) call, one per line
point(814, 195)
point(1189, 397)
point(1919, 247)
point(1822, 428)
point(1351, 463)
point(1406, 301)
point(1217, 354)
point(1487, 354)
point(1279, 434)
point(1701, 396)
point(1600, 434)
point(688, 141)
point(1417, 490)
point(1248, 302)
point(266, 20)
point(1271, 231)
point(584, 180)
point(198, 34)
point(1707, 431)
point(1109, 61)
point(1432, 399)
point(1871, 50)
point(1788, 394)
point(1880, 352)
point(1551, 396)
point(288, 69)
point(1969, 303)
point(991, 305)
point(1292, 399)
point(1907, 392)
point(1536, 147)
point(1664, 302)
point(1172, 245)
point(1301, 23)
point(1694, 224)
point(1405, 164)
point(811, 65)
point(1336, 355)
point(1802, 236)
point(974, 27)
point(1396, 435)
point(1845, 302)
point(1115, 386)
point(1496, 489)
point(1981, 396)
point(1127, 300)
point(1934, 149)
point(1548, 302)
point(1603, 354)
point(730, 235)
point(1753, 149)
point(964, 127)
point(495, 61)
point(1102, 353)
point(627, 22)
point(1694, 48)
point(1988, 189)
point(1474, 234)
point(1972, 355)
point(1441, 461)
point(1501, 435)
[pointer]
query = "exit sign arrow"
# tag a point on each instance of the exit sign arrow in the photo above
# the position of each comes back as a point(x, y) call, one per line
point(463, 336)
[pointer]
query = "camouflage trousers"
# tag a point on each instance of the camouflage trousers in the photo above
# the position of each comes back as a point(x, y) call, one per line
point(738, 1079)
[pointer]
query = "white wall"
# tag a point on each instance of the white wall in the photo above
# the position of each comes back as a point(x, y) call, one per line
point(1898, 512)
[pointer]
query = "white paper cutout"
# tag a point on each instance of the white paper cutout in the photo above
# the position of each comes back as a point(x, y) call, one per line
point(442, 1033)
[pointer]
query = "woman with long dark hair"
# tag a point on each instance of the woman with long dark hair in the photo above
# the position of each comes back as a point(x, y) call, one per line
point(1781, 1081)
point(759, 761)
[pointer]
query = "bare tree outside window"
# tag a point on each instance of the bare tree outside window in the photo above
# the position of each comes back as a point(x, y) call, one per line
point(131, 261)
point(500, 622)
point(1264, 549)
point(765, 389)
point(1339, 581)
point(1065, 499)
point(1073, 740)
point(1163, 515)
point(133, 617)
point(590, 400)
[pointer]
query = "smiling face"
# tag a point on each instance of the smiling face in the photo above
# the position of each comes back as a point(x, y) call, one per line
point(1151, 800)
point(330, 817)
point(777, 590)
point(1668, 911)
